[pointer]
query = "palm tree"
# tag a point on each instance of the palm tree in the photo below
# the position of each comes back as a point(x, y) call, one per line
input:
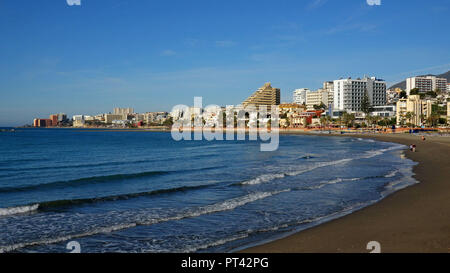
point(433, 119)
point(409, 117)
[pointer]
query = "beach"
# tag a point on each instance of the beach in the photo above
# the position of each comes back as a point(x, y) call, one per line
point(415, 219)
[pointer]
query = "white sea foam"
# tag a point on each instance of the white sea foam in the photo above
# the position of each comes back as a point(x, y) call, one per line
point(14, 247)
point(332, 182)
point(391, 174)
point(215, 243)
point(270, 177)
point(18, 210)
point(264, 178)
point(218, 207)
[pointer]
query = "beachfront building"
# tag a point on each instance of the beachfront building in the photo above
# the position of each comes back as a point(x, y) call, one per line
point(157, 117)
point(448, 87)
point(426, 84)
point(78, 121)
point(123, 111)
point(109, 118)
point(349, 93)
point(290, 108)
point(54, 119)
point(319, 97)
point(448, 112)
point(300, 95)
point(384, 111)
point(264, 96)
point(306, 118)
point(413, 110)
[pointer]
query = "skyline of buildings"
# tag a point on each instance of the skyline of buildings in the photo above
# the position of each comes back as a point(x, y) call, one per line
point(334, 98)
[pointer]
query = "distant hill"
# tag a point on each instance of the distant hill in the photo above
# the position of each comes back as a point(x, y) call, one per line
point(402, 84)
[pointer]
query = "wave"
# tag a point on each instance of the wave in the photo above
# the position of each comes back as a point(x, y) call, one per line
point(391, 174)
point(97, 180)
point(9, 161)
point(330, 182)
point(269, 177)
point(77, 166)
point(77, 202)
point(44, 206)
point(10, 248)
point(226, 205)
point(307, 157)
point(284, 227)
point(215, 243)
point(18, 210)
point(82, 181)
point(264, 178)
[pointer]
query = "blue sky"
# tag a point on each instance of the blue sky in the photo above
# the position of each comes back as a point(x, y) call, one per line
point(152, 55)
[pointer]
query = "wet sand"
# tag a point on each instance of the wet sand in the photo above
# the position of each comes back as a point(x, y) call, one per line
point(415, 219)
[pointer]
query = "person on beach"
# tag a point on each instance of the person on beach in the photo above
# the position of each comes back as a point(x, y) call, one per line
point(413, 148)
point(423, 138)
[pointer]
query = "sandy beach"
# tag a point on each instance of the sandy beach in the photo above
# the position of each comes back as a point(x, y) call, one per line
point(415, 219)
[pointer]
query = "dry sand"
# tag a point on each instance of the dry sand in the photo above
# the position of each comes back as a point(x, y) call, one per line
point(415, 219)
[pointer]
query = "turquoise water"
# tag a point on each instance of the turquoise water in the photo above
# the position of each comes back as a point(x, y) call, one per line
point(143, 192)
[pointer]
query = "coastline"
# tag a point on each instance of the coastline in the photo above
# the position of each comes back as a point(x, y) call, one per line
point(412, 220)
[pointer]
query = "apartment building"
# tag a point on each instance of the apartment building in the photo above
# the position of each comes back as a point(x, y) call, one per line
point(425, 84)
point(300, 95)
point(419, 109)
point(264, 96)
point(349, 93)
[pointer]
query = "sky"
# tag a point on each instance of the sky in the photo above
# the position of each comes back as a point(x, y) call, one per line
point(152, 55)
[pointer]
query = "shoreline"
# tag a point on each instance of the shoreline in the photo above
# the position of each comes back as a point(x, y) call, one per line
point(415, 219)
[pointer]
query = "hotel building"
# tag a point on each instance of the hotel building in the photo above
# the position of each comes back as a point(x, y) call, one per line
point(264, 96)
point(54, 119)
point(420, 109)
point(426, 84)
point(109, 118)
point(318, 97)
point(300, 95)
point(349, 93)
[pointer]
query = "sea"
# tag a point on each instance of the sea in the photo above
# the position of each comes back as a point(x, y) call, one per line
point(143, 192)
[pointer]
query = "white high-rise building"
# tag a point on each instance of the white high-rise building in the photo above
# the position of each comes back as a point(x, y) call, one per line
point(349, 93)
point(425, 84)
point(300, 95)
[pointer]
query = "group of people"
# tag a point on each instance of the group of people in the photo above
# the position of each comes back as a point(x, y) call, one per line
point(412, 147)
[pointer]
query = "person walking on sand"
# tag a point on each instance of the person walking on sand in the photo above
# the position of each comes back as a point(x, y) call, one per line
point(414, 148)
point(423, 138)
